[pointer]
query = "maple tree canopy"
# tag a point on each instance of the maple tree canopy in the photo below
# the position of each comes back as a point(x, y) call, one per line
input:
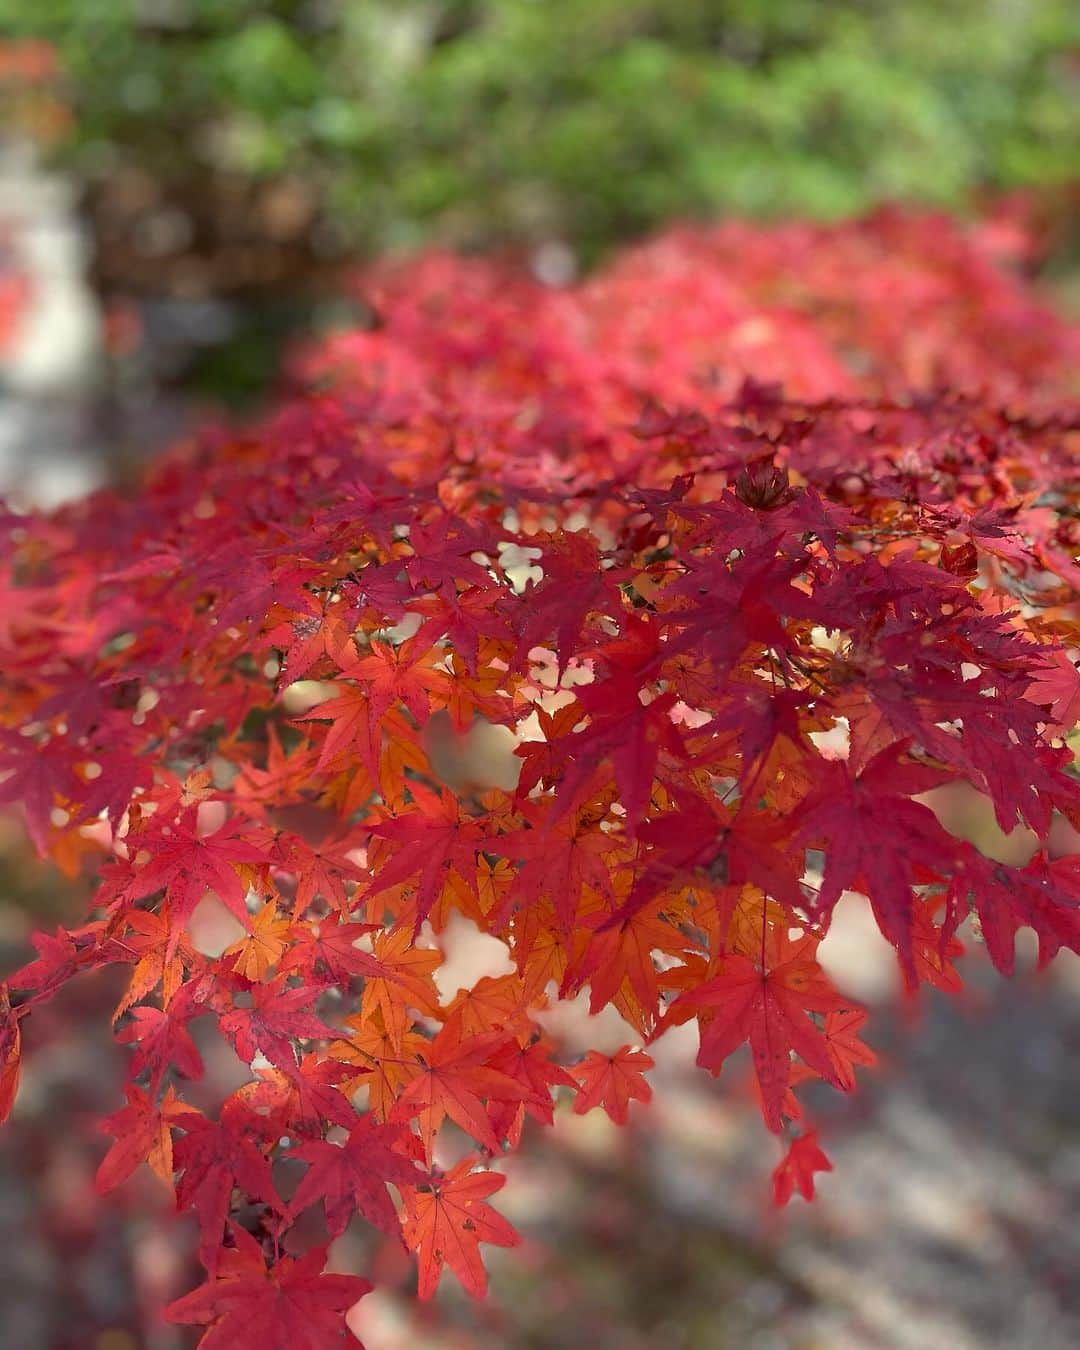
point(748, 543)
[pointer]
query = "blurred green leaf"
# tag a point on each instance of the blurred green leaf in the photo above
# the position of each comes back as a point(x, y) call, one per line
point(485, 120)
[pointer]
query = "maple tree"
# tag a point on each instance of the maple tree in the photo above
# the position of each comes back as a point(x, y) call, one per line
point(744, 562)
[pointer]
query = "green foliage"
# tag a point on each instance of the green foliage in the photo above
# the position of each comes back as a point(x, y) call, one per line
point(481, 120)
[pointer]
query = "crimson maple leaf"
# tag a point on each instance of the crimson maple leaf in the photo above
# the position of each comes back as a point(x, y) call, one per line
point(300, 1099)
point(618, 963)
point(351, 728)
point(10, 1053)
point(326, 950)
point(574, 586)
point(40, 776)
point(769, 1008)
point(441, 554)
point(277, 1017)
point(702, 838)
point(760, 716)
point(256, 789)
point(560, 857)
point(307, 637)
point(163, 1041)
point(873, 835)
point(841, 1030)
point(465, 618)
point(529, 1064)
point(59, 957)
point(352, 1177)
point(188, 864)
point(119, 775)
point(321, 870)
point(629, 731)
point(1057, 688)
point(291, 1305)
point(404, 674)
point(214, 1157)
point(1044, 895)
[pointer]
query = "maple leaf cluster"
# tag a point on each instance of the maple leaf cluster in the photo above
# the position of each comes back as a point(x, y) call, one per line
point(737, 582)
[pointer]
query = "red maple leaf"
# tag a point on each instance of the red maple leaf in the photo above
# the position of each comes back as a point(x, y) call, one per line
point(1057, 688)
point(291, 1305)
point(307, 637)
point(402, 674)
point(299, 1100)
point(611, 1081)
point(796, 1169)
point(465, 618)
point(58, 959)
point(40, 776)
point(455, 1080)
point(321, 869)
point(277, 1017)
point(873, 835)
point(326, 950)
point(163, 1042)
point(841, 1030)
point(350, 729)
point(187, 864)
point(430, 841)
point(1044, 895)
point(530, 1065)
point(143, 1133)
point(352, 1177)
point(769, 1008)
point(10, 1054)
point(214, 1157)
point(560, 857)
point(446, 1221)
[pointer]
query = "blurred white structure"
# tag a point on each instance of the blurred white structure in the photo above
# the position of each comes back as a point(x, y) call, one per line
point(50, 367)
